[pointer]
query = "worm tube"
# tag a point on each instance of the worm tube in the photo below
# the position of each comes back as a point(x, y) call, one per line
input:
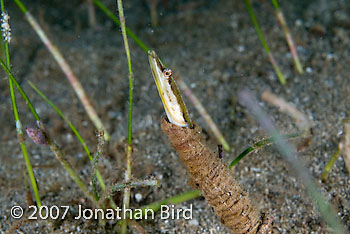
point(231, 204)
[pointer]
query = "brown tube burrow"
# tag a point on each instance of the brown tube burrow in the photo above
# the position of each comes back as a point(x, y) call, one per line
point(231, 204)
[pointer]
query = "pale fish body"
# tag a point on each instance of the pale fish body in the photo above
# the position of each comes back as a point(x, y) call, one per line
point(169, 93)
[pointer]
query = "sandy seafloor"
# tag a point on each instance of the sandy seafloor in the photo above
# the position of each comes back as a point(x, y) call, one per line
point(216, 49)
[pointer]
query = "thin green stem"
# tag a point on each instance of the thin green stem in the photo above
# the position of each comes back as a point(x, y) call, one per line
point(111, 15)
point(256, 25)
point(18, 122)
point(289, 38)
point(257, 145)
point(126, 199)
point(21, 6)
point(330, 165)
point(127, 51)
point(276, 68)
point(21, 91)
point(31, 174)
point(275, 4)
point(263, 42)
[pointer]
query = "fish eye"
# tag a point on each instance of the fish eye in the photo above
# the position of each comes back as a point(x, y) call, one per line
point(167, 72)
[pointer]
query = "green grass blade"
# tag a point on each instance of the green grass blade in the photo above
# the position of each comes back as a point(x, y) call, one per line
point(21, 91)
point(111, 15)
point(263, 42)
point(330, 165)
point(126, 198)
point(19, 130)
point(257, 145)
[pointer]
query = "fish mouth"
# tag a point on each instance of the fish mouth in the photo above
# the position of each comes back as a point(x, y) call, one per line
point(155, 61)
point(157, 69)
